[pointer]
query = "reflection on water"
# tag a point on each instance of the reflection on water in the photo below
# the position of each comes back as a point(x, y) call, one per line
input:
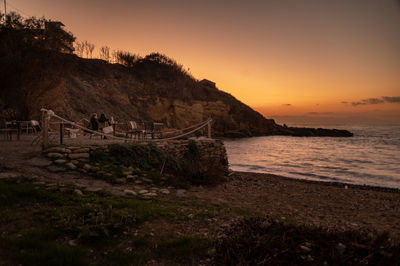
point(371, 157)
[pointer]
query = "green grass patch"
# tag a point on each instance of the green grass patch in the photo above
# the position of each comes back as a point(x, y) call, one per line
point(37, 247)
point(185, 249)
point(124, 257)
point(95, 215)
point(146, 157)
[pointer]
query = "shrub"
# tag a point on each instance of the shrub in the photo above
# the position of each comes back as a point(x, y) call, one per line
point(256, 241)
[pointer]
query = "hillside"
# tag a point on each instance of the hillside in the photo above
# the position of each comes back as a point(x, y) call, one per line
point(153, 88)
point(75, 87)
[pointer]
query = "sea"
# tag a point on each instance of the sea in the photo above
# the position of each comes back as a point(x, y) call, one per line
point(371, 157)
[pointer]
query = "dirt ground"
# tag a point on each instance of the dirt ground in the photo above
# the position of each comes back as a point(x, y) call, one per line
point(334, 206)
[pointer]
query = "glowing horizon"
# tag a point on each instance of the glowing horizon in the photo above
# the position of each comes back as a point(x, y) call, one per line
point(279, 57)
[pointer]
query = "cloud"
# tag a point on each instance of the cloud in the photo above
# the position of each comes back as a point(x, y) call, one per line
point(287, 104)
point(358, 103)
point(391, 99)
point(368, 102)
point(371, 101)
point(319, 113)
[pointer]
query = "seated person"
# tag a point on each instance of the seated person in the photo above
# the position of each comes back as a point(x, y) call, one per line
point(94, 123)
point(103, 121)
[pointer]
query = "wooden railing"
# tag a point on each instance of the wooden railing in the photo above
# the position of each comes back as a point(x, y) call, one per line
point(47, 115)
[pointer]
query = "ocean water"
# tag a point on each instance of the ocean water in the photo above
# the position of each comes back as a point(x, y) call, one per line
point(371, 157)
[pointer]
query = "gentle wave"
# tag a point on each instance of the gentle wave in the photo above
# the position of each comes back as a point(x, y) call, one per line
point(371, 157)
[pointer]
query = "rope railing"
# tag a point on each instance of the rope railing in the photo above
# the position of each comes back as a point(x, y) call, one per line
point(48, 114)
point(183, 129)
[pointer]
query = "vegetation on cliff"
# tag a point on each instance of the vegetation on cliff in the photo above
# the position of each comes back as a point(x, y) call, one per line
point(38, 70)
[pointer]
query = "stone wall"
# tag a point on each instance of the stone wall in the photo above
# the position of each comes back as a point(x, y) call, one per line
point(212, 153)
point(210, 157)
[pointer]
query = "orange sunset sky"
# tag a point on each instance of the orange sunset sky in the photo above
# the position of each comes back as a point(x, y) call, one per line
point(292, 60)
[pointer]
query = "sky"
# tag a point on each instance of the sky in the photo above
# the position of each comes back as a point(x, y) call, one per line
point(292, 60)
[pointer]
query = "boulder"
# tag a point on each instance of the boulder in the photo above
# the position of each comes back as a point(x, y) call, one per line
point(181, 192)
point(79, 155)
point(54, 168)
point(120, 180)
point(147, 180)
point(55, 149)
point(81, 150)
point(87, 167)
point(130, 192)
point(164, 191)
point(130, 177)
point(78, 192)
point(39, 162)
point(70, 166)
point(55, 155)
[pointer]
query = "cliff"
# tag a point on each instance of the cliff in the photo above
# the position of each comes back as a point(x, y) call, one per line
point(149, 90)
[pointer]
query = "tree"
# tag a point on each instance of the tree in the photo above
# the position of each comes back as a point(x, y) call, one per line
point(114, 56)
point(91, 48)
point(79, 48)
point(105, 53)
point(88, 48)
point(126, 58)
point(18, 32)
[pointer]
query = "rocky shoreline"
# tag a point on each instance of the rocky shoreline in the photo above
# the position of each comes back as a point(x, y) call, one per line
point(290, 131)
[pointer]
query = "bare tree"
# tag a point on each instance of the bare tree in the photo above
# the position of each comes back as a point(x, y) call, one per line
point(86, 48)
point(114, 56)
point(105, 53)
point(79, 48)
point(91, 48)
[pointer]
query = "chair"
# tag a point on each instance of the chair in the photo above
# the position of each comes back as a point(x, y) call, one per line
point(7, 131)
point(31, 126)
point(152, 129)
point(133, 130)
point(72, 132)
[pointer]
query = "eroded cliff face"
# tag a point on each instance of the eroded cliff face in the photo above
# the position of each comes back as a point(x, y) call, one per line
point(180, 114)
point(75, 88)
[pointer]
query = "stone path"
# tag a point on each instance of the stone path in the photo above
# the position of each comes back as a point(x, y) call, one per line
point(20, 158)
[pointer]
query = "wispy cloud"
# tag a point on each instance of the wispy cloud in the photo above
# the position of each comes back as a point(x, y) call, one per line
point(319, 113)
point(371, 101)
point(391, 99)
point(368, 102)
point(287, 104)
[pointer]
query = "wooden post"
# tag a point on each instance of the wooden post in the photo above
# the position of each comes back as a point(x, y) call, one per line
point(209, 129)
point(113, 125)
point(61, 132)
point(45, 130)
point(18, 130)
